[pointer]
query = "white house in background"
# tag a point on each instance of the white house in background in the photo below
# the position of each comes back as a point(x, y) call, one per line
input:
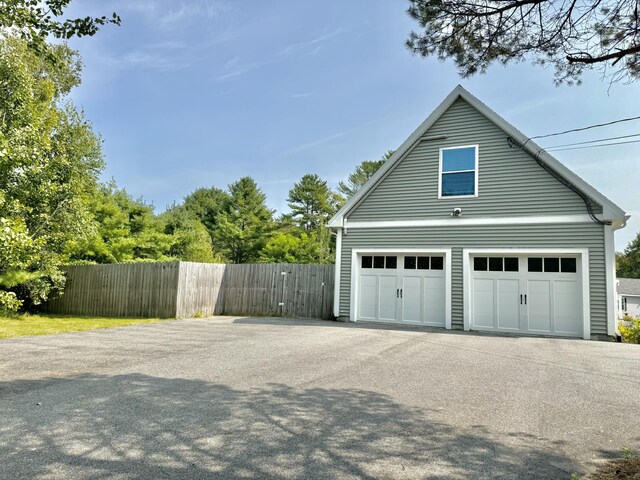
point(629, 297)
point(471, 225)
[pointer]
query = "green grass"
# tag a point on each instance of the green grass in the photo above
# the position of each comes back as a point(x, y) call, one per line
point(30, 325)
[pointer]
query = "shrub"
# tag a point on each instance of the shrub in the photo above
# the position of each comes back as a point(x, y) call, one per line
point(9, 302)
point(630, 329)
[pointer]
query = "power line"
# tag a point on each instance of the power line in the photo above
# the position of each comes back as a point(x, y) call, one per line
point(584, 128)
point(593, 141)
point(594, 146)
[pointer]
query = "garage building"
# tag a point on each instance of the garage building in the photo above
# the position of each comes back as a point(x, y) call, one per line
point(471, 225)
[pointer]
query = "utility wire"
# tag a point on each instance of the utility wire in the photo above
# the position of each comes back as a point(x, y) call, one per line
point(587, 201)
point(585, 128)
point(593, 141)
point(594, 146)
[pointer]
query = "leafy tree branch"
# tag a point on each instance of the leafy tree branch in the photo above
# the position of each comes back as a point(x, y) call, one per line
point(570, 35)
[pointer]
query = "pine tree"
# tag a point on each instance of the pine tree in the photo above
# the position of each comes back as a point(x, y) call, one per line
point(361, 174)
point(245, 226)
point(312, 202)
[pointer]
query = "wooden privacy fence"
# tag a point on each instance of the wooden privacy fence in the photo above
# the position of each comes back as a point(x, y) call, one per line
point(184, 289)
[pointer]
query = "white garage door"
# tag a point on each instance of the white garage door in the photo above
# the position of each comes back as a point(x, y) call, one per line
point(531, 294)
point(402, 288)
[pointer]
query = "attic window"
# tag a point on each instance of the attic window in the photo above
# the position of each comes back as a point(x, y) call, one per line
point(458, 172)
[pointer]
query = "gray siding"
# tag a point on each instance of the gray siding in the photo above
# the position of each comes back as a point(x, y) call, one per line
point(511, 183)
point(587, 235)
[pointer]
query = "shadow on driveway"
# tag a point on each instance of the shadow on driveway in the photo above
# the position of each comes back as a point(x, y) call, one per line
point(144, 427)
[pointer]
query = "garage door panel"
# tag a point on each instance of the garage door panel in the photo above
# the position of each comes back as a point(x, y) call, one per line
point(483, 302)
point(387, 297)
point(539, 305)
point(368, 297)
point(567, 307)
point(508, 292)
point(412, 298)
point(434, 301)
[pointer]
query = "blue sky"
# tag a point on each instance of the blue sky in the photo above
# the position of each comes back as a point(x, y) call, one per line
point(195, 93)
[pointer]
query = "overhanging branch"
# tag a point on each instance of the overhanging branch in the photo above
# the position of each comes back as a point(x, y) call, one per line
point(589, 59)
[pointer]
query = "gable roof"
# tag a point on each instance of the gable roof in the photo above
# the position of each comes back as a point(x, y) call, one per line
point(629, 286)
point(610, 210)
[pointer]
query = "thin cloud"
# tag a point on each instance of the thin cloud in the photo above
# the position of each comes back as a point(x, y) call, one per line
point(140, 59)
point(314, 143)
point(165, 56)
point(328, 139)
point(188, 11)
point(326, 36)
point(172, 14)
point(237, 69)
point(314, 42)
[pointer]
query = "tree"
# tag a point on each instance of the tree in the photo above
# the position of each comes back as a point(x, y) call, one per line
point(36, 19)
point(571, 36)
point(312, 202)
point(191, 241)
point(49, 163)
point(628, 262)
point(126, 230)
point(290, 248)
point(244, 227)
point(206, 204)
point(361, 174)
point(18, 252)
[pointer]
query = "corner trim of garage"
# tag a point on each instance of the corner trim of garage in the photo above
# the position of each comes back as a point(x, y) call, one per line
point(610, 264)
point(583, 252)
point(336, 282)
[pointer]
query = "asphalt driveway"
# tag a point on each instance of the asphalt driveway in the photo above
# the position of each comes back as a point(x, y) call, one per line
point(271, 398)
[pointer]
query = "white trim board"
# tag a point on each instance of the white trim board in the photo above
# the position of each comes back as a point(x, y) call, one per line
point(336, 281)
point(585, 265)
point(610, 276)
point(475, 171)
point(610, 210)
point(355, 275)
point(468, 221)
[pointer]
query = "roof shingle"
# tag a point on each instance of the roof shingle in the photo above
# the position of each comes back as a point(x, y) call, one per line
point(629, 286)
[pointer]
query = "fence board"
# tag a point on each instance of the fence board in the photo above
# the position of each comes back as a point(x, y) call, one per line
point(183, 289)
point(119, 290)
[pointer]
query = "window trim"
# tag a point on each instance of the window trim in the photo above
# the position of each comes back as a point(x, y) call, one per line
point(476, 171)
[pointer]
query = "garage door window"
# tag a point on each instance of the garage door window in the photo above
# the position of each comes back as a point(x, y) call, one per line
point(552, 265)
point(370, 261)
point(437, 263)
point(495, 264)
point(568, 265)
point(424, 263)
